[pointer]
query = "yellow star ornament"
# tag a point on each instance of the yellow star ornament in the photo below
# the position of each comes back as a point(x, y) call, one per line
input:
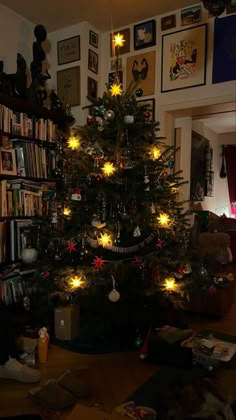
point(118, 40)
point(73, 143)
point(115, 89)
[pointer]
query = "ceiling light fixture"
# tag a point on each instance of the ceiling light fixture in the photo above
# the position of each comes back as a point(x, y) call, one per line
point(215, 7)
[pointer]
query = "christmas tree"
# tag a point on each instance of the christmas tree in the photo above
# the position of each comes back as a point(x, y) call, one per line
point(121, 232)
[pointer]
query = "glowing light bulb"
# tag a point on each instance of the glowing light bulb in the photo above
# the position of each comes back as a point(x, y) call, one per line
point(108, 168)
point(67, 211)
point(105, 240)
point(164, 220)
point(155, 153)
point(118, 40)
point(116, 89)
point(76, 282)
point(73, 143)
point(170, 284)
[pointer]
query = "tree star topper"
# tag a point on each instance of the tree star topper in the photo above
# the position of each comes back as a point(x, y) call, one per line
point(118, 40)
point(116, 89)
point(71, 246)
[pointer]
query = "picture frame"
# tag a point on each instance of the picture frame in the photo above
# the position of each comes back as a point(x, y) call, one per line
point(93, 39)
point(116, 64)
point(183, 63)
point(92, 91)
point(7, 161)
point(145, 34)
point(126, 46)
point(93, 61)
point(68, 50)
point(68, 86)
point(142, 64)
point(168, 22)
point(209, 187)
point(190, 15)
point(231, 7)
point(113, 76)
point(151, 108)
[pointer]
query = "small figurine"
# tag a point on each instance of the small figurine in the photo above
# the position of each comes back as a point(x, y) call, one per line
point(18, 80)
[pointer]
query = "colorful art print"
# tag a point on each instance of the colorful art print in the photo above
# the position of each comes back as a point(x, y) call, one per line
point(93, 39)
point(150, 108)
point(115, 77)
point(92, 88)
point(142, 67)
point(231, 6)
point(184, 59)
point(68, 86)
point(93, 61)
point(116, 64)
point(7, 162)
point(191, 15)
point(126, 46)
point(168, 22)
point(68, 50)
point(145, 34)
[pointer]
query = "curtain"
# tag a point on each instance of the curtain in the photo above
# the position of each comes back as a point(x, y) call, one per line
point(230, 162)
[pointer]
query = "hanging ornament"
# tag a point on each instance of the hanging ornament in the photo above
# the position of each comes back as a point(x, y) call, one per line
point(138, 341)
point(202, 273)
point(71, 246)
point(153, 208)
point(105, 240)
point(114, 295)
point(109, 115)
point(73, 143)
point(137, 232)
point(116, 89)
point(160, 244)
point(139, 262)
point(171, 164)
point(101, 111)
point(29, 255)
point(139, 92)
point(129, 119)
point(187, 269)
point(76, 195)
point(98, 263)
point(108, 168)
point(89, 119)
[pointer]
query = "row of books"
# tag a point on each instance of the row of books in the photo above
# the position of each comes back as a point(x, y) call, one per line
point(21, 124)
point(25, 198)
point(14, 237)
point(15, 289)
point(33, 160)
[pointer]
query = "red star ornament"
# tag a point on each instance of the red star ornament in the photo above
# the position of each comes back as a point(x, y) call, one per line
point(98, 263)
point(71, 246)
point(160, 244)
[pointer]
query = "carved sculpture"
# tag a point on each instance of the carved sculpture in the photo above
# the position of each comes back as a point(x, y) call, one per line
point(18, 81)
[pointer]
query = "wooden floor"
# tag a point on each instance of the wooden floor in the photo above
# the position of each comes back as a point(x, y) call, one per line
point(112, 377)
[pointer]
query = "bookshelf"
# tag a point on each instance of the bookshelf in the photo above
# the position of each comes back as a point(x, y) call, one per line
point(28, 162)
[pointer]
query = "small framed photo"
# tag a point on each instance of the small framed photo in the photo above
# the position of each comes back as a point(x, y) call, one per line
point(149, 106)
point(168, 22)
point(231, 6)
point(93, 39)
point(93, 61)
point(68, 50)
point(114, 77)
point(145, 34)
point(191, 15)
point(116, 64)
point(68, 86)
point(92, 88)
point(7, 162)
point(125, 33)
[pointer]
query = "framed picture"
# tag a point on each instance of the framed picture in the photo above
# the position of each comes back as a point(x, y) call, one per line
point(144, 34)
point(191, 15)
point(184, 59)
point(142, 65)
point(209, 188)
point(168, 22)
point(68, 50)
point(92, 88)
point(7, 161)
point(93, 61)
point(68, 86)
point(116, 64)
point(115, 76)
point(231, 6)
point(126, 46)
point(93, 39)
point(150, 105)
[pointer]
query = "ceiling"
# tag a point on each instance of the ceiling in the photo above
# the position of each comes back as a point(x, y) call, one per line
point(102, 14)
point(221, 123)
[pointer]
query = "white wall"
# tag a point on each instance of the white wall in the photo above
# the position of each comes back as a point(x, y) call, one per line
point(82, 30)
point(16, 36)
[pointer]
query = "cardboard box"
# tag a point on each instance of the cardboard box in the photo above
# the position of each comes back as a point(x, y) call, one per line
point(67, 322)
point(82, 412)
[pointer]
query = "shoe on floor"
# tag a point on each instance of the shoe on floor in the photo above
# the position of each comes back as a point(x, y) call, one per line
point(19, 372)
